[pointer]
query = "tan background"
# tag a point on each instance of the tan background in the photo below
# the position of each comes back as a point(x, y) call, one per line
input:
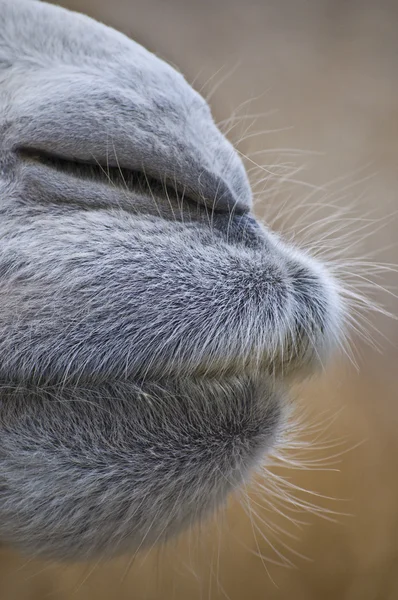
point(330, 68)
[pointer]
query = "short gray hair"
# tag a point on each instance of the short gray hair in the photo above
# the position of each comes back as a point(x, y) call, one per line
point(149, 325)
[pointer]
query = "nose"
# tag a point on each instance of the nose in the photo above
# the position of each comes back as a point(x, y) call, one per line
point(240, 229)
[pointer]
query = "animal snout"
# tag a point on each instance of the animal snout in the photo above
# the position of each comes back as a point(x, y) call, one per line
point(145, 336)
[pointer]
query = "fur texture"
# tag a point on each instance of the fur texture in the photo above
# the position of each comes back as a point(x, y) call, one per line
point(149, 325)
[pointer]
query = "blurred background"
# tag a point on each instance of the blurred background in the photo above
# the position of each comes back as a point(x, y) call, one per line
point(308, 91)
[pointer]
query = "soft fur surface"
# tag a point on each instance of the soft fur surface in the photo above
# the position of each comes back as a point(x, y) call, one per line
point(149, 325)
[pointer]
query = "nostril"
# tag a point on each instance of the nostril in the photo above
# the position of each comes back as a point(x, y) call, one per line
point(215, 192)
point(247, 221)
point(241, 229)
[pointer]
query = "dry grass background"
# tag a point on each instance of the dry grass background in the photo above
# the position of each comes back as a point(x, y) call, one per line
point(330, 68)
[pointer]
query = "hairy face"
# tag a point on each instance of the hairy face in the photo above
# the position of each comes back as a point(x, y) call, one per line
point(149, 325)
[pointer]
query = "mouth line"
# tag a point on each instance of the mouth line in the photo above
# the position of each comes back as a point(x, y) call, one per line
point(276, 379)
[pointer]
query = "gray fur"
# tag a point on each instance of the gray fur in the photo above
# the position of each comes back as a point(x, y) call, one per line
point(149, 325)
